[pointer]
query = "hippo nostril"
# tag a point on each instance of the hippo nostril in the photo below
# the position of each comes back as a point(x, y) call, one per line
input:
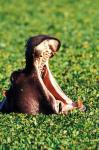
point(38, 54)
point(51, 47)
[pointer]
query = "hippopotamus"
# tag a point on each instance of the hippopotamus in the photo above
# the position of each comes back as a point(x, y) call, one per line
point(33, 89)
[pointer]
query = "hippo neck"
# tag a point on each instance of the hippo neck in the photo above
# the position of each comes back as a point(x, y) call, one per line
point(30, 66)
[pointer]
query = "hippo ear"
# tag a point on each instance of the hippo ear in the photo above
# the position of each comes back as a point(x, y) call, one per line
point(54, 44)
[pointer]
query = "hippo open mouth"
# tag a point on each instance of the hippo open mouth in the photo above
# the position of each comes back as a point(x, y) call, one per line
point(42, 53)
point(33, 89)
